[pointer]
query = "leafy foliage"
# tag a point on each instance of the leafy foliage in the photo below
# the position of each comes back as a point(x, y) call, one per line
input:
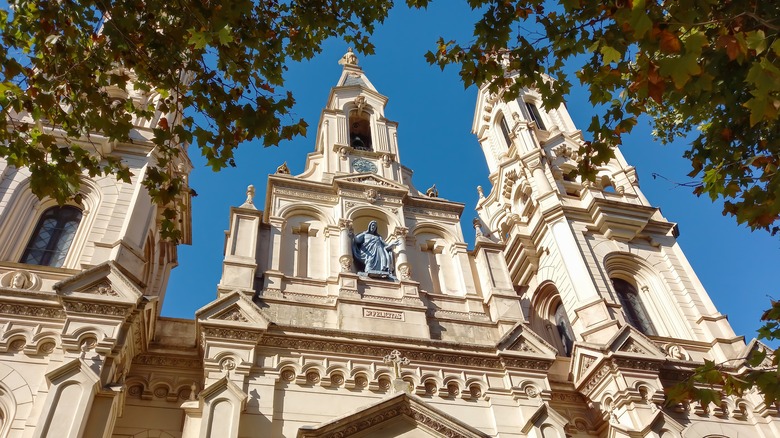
point(759, 370)
point(709, 65)
point(78, 75)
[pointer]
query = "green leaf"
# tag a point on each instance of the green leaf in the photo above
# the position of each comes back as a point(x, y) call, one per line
point(225, 35)
point(610, 54)
point(756, 40)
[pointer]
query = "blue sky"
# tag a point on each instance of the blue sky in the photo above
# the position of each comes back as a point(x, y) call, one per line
point(434, 114)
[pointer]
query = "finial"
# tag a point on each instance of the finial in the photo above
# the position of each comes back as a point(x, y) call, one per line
point(349, 58)
point(283, 169)
point(432, 192)
point(477, 226)
point(250, 195)
point(193, 388)
point(481, 193)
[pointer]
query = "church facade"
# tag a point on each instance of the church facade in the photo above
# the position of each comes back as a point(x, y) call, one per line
point(350, 304)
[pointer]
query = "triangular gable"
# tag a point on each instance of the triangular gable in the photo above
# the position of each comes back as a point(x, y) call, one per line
point(629, 340)
point(522, 339)
point(400, 406)
point(545, 415)
point(234, 309)
point(752, 348)
point(657, 423)
point(104, 282)
point(627, 343)
point(370, 180)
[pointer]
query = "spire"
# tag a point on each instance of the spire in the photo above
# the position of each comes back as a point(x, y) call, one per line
point(352, 73)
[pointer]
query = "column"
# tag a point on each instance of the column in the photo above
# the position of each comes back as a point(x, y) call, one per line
point(345, 246)
point(403, 267)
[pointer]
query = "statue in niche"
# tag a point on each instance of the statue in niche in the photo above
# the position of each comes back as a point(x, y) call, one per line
point(373, 256)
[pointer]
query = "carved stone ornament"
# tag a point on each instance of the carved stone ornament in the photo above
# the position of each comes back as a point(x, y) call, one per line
point(232, 315)
point(288, 375)
point(432, 192)
point(361, 381)
point(312, 377)
point(346, 263)
point(345, 224)
point(371, 195)
point(386, 160)
point(103, 288)
point(675, 351)
point(360, 104)
point(531, 391)
point(283, 169)
point(20, 279)
point(227, 364)
point(405, 272)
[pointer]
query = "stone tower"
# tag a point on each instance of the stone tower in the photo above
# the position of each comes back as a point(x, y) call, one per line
point(601, 275)
point(81, 287)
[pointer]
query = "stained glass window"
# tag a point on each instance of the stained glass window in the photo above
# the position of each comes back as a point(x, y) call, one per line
point(633, 307)
point(53, 236)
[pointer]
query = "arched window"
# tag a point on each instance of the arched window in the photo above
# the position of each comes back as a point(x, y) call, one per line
point(533, 112)
point(360, 131)
point(505, 131)
point(564, 329)
point(635, 312)
point(53, 236)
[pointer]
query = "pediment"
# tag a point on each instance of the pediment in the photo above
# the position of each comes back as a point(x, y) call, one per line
point(521, 339)
point(371, 180)
point(396, 415)
point(232, 309)
point(657, 423)
point(756, 347)
point(546, 416)
point(629, 340)
point(104, 282)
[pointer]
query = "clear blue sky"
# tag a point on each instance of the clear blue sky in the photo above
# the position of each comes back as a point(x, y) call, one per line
point(434, 113)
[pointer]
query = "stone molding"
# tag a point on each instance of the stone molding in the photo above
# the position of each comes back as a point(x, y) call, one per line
point(402, 405)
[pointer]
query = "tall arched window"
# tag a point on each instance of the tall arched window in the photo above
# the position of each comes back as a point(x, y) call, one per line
point(635, 312)
point(533, 111)
point(360, 131)
point(505, 131)
point(53, 236)
point(564, 329)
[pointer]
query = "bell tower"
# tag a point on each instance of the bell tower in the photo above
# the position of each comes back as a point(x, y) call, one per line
point(598, 267)
point(83, 283)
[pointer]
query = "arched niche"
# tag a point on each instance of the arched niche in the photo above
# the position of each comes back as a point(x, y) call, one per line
point(549, 319)
point(362, 215)
point(359, 122)
point(433, 255)
point(304, 246)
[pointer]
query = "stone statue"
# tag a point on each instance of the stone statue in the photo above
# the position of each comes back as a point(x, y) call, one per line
point(373, 256)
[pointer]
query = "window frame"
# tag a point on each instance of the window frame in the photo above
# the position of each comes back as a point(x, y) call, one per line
point(635, 312)
point(535, 115)
point(63, 216)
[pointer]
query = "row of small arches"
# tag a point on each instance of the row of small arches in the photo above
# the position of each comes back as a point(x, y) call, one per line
point(381, 381)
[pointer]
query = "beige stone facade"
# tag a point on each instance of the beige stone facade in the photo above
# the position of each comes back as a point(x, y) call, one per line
point(568, 318)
